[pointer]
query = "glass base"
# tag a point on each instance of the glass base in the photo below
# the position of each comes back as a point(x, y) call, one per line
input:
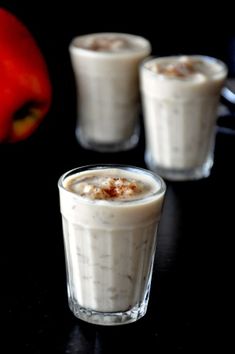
point(108, 147)
point(108, 318)
point(173, 174)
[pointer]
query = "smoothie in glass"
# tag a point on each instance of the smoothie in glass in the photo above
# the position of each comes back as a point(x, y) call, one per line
point(106, 73)
point(110, 218)
point(180, 96)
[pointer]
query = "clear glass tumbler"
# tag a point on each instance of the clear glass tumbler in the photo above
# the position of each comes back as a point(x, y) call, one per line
point(106, 74)
point(180, 96)
point(110, 240)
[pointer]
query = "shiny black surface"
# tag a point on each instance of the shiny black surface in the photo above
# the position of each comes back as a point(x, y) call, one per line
point(192, 289)
point(191, 286)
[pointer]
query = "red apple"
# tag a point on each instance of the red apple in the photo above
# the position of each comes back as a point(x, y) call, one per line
point(25, 88)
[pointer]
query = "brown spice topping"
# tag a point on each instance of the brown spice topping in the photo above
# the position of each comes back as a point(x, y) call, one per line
point(181, 69)
point(119, 187)
point(106, 44)
point(106, 187)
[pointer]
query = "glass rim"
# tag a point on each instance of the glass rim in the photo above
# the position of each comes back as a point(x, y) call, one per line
point(206, 58)
point(92, 53)
point(160, 190)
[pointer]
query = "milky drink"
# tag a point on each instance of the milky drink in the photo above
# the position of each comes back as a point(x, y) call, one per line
point(110, 218)
point(180, 97)
point(107, 78)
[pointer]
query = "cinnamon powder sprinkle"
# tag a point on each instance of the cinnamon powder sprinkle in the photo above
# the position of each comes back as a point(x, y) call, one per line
point(107, 188)
point(181, 69)
point(120, 187)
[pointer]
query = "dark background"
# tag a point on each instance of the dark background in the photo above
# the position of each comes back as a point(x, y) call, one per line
point(191, 303)
point(171, 29)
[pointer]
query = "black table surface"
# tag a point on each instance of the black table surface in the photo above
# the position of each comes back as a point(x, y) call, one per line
point(191, 301)
point(192, 281)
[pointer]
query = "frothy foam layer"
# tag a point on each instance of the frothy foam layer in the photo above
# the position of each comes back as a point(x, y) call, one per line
point(104, 44)
point(108, 42)
point(185, 68)
point(110, 185)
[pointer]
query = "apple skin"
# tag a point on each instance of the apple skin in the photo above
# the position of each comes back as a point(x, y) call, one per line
point(25, 87)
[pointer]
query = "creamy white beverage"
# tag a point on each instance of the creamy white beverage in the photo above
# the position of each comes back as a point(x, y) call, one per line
point(107, 78)
point(110, 218)
point(180, 96)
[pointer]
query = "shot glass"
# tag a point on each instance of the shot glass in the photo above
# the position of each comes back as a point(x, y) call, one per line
point(180, 96)
point(110, 217)
point(106, 74)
